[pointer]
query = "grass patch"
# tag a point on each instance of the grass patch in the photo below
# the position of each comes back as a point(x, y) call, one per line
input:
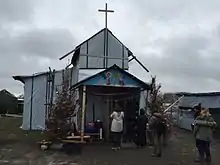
point(10, 131)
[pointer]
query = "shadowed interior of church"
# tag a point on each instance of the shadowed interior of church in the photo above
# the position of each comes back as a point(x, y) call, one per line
point(101, 101)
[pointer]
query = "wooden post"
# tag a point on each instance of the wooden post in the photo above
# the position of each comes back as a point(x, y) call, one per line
point(108, 118)
point(83, 112)
point(125, 113)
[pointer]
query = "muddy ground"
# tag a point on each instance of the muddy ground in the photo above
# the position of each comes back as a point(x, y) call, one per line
point(17, 147)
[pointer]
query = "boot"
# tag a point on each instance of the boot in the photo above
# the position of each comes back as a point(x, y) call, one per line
point(199, 159)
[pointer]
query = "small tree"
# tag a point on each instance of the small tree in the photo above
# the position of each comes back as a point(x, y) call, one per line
point(156, 101)
point(61, 114)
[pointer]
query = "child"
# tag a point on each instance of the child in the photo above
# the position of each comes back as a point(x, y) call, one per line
point(204, 125)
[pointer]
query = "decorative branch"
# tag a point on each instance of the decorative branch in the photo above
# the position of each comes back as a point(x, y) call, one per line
point(61, 114)
point(156, 101)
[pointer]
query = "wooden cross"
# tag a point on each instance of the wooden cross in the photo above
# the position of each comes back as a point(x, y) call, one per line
point(106, 12)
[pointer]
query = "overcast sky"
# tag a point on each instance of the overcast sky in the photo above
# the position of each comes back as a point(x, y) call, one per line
point(178, 40)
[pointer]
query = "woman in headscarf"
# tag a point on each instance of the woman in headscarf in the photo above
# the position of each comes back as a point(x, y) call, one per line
point(141, 129)
point(203, 130)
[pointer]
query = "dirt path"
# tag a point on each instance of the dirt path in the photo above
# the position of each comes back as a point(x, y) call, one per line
point(180, 152)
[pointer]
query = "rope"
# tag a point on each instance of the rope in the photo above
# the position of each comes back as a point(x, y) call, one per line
point(116, 94)
point(110, 94)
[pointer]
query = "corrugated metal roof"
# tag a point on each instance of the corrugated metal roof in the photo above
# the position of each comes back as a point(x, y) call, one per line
point(198, 94)
point(22, 77)
point(206, 101)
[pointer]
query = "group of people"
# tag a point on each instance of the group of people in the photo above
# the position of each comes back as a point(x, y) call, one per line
point(203, 128)
point(155, 126)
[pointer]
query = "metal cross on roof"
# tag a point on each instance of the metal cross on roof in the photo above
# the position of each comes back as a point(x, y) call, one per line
point(106, 11)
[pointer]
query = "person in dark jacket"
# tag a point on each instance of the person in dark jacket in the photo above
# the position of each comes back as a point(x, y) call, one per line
point(204, 125)
point(141, 129)
point(158, 127)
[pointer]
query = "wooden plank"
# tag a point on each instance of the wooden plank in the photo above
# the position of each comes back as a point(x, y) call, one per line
point(77, 137)
point(73, 141)
point(93, 134)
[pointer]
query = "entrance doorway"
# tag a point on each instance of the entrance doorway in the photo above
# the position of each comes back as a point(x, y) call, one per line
point(102, 100)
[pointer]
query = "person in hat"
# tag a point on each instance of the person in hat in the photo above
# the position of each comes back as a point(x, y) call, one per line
point(203, 130)
point(117, 127)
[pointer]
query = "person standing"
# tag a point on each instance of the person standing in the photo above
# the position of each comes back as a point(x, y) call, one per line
point(141, 129)
point(197, 110)
point(149, 133)
point(117, 128)
point(168, 131)
point(158, 127)
point(203, 130)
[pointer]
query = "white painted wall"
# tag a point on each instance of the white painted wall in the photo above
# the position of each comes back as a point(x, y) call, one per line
point(35, 98)
point(142, 101)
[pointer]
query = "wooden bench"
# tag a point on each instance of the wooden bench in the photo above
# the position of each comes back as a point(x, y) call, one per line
point(70, 143)
point(75, 139)
point(73, 144)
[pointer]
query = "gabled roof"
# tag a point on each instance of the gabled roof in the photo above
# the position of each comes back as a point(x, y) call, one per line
point(96, 34)
point(109, 31)
point(114, 67)
point(7, 93)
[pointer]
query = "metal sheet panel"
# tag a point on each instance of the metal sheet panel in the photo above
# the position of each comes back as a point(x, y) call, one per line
point(93, 51)
point(35, 98)
point(83, 59)
point(96, 48)
point(125, 58)
point(115, 51)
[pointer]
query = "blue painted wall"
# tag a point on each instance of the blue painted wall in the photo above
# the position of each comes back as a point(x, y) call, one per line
point(113, 77)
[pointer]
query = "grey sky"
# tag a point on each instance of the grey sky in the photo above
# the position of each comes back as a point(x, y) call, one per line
point(178, 40)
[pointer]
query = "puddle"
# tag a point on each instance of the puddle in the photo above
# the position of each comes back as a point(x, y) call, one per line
point(19, 162)
point(4, 161)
